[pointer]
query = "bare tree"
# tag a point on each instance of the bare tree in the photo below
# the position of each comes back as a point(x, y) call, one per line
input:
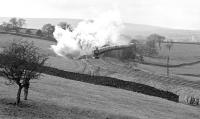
point(151, 44)
point(17, 23)
point(21, 22)
point(21, 62)
point(14, 22)
point(157, 38)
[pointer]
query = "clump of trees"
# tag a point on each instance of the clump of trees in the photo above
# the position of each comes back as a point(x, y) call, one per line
point(149, 48)
point(65, 26)
point(39, 33)
point(152, 42)
point(48, 30)
point(21, 62)
point(14, 24)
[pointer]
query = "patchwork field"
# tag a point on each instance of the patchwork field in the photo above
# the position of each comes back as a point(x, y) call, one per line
point(182, 51)
point(184, 59)
point(55, 97)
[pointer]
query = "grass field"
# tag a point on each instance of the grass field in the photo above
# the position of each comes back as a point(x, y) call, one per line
point(179, 54)
point(54, 97)
point(182, 51)
point(42, 44)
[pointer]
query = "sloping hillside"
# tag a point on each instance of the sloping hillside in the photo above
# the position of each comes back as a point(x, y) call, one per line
point(54, 97)
point(107, 68)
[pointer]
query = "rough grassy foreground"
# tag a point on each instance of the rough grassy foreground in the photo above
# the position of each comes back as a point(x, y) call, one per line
point(57, 98)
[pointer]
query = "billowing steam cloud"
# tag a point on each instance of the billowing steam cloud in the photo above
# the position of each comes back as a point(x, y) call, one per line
point(89, 34)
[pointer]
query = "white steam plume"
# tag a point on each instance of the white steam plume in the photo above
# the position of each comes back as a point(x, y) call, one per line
point(89, 34)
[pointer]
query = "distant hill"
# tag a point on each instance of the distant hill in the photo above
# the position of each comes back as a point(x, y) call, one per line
point(136, 31)
point(140, 31)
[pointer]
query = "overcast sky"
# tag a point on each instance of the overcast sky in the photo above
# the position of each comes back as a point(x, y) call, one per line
point(183, 14)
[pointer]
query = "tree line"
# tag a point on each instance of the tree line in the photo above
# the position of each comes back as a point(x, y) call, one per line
point(16, 25)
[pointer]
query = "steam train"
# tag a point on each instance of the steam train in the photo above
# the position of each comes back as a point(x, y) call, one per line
point(99, 51)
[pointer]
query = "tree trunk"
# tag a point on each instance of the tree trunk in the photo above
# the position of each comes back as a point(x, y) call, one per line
point(25, 93)
point(18, 95)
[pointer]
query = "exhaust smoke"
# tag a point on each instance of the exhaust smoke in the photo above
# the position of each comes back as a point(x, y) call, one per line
point(89, 34)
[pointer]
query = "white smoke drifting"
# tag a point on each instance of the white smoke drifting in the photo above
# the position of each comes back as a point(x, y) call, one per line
point(89, 34)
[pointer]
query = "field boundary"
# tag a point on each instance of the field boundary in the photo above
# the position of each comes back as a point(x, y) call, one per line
point(193, 75)
point(192, 43)
point(111, 82)
point(170, 66)
point(30, 36)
